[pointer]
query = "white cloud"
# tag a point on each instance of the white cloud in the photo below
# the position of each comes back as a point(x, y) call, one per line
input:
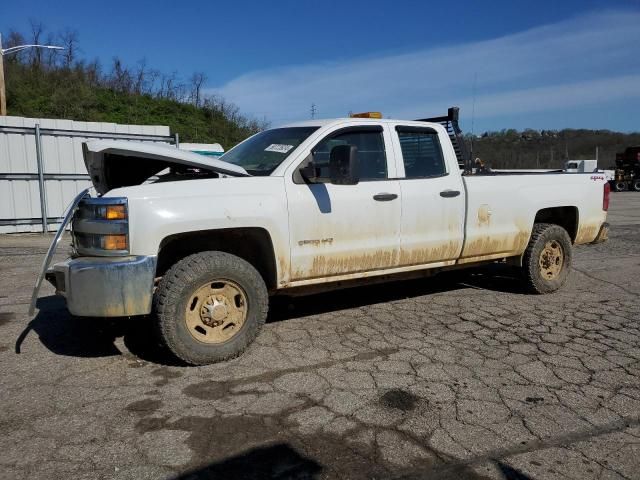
point(541, 99)
point(587, 60)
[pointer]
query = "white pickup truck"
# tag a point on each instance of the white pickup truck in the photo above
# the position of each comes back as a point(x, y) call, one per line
point(201, 243)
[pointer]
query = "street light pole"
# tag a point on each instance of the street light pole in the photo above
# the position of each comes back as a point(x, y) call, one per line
point(7, 51)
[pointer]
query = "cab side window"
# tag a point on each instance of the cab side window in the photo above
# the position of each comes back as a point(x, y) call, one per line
point(421, 152)
point(372, 159)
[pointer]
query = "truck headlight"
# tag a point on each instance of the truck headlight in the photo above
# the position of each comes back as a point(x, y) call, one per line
point(101, 227)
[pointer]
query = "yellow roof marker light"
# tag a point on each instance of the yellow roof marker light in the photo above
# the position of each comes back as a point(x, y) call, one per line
point(366, 115)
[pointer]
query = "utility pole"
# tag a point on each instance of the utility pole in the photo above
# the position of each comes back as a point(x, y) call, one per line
point(313, 111)
point(7, 51)
point(3, 97)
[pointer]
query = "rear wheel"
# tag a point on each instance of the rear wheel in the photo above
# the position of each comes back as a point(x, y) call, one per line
point(210, 306)
point(620, 186)
point(636, 185)
point(547, 259)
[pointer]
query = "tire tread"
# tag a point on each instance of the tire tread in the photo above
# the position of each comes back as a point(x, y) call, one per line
point(168, 295)
point(530, 267)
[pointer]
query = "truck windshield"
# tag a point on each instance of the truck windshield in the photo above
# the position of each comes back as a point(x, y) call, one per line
point(262, 153)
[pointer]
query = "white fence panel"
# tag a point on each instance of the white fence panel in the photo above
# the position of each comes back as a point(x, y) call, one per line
point(62, 163)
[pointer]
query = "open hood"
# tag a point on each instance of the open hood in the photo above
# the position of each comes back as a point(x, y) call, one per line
point(119, 163)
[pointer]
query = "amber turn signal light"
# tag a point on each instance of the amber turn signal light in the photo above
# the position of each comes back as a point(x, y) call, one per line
point(115, 212)
point(114, 242)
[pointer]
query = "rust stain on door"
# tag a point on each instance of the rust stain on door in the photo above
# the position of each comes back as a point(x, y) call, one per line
point(422, 256)
point(329, 265)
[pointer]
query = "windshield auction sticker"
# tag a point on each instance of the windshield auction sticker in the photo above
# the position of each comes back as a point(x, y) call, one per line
point(277, 147)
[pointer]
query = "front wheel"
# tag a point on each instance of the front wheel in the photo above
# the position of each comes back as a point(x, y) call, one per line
point(209, 307)
point(636, 185)
point(547, 259)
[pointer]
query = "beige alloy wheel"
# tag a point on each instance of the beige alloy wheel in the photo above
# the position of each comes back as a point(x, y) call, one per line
point(551, 260)
point(546, 262)
point(216, 311)
point(209, 307)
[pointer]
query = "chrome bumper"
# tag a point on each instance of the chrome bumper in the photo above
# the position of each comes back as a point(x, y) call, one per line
point(105, 287)
point(603, 234)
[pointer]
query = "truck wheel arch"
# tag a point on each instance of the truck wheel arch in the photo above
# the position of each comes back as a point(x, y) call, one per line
point(566, 217)
point(252, 244)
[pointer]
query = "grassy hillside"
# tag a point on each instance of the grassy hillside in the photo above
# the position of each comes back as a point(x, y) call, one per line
point(78, 93)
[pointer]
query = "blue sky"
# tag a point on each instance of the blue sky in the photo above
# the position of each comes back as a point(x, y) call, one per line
point(537, 64)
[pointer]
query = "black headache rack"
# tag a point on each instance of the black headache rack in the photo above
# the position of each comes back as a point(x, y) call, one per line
point(450, 123)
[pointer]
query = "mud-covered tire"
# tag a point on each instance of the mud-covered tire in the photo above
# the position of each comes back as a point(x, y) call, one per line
point(536, 277)
point(186, 277)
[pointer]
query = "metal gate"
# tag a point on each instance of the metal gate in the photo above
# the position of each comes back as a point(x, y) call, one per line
point(42, 168)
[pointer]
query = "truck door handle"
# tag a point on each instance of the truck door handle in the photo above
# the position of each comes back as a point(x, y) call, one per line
point(384, 197)
point(449, 193)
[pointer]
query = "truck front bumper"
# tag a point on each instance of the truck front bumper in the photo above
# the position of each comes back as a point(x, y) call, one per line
point(603, 234)
point(105, 287)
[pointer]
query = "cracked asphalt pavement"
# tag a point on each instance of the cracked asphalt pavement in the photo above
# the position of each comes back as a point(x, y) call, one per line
point(462, 375)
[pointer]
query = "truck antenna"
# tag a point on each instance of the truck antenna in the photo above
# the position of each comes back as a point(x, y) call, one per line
point(473, 110)
point(313, 111)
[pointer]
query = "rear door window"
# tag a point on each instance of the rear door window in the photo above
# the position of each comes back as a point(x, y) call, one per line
point(421, 152)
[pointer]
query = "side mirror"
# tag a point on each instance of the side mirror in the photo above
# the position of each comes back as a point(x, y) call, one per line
point(343, 165)
point(307, 173)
